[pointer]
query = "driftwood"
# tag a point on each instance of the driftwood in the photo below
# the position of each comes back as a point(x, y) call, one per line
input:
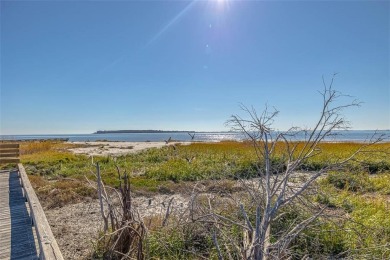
point(276, 188)
point(192, 136)
point(124, 231)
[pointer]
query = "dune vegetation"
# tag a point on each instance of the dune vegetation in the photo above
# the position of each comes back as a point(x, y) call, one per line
point(356, 197)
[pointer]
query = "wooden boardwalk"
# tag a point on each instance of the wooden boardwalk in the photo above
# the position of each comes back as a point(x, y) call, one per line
point(9, 153)
point(17, 235)
point(24, 230)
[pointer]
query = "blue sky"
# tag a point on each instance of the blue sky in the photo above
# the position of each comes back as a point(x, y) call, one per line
point(81, 66)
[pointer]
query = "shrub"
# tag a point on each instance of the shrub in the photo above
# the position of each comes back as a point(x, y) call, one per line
point(350, 181)
point(179, 242)
point(377, 167)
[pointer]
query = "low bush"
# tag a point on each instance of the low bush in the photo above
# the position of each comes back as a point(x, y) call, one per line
point(188, 241)
point(356, 182)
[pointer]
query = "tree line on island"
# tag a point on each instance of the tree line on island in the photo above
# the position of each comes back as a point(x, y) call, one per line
point(140, 131)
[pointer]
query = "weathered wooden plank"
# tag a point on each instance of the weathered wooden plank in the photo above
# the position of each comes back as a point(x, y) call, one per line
point(47, 244)
point(9, 145)
point(17, 239)
point(9, 160)
point(11, 150)
point(7, 155)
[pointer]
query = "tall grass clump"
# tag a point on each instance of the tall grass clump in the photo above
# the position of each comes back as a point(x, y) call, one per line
point(362, 207)
point(186, 241)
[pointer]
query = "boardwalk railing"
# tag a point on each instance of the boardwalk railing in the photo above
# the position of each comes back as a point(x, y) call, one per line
point(48, 247)
point(9, 153)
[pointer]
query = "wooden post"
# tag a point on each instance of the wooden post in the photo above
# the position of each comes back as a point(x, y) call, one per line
point(100, 192)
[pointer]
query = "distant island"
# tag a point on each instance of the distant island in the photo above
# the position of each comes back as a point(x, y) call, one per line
point(139, 132)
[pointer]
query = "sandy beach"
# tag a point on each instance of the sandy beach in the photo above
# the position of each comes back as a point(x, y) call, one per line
point(103, 148)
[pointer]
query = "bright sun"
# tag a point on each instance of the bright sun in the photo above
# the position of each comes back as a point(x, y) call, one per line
point(221, 2)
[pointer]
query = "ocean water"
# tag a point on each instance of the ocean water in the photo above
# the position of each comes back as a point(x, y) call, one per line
point(340, 136)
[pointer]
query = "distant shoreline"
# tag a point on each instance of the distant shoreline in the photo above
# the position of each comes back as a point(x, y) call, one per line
point(139, 132)
point(155, 132)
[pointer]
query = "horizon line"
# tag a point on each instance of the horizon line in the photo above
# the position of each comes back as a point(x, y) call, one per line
point(165, 131)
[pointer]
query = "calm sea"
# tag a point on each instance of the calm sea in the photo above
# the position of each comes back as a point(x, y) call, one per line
point(353, 135)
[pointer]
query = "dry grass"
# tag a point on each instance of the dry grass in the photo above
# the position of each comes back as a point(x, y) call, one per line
point(57, 193)
point(43, 146)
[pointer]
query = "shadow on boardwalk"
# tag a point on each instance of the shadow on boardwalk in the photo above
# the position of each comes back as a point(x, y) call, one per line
point(17, 240)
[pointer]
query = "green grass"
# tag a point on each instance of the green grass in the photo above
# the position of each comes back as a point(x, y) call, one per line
point(184, 242)
point(154, 168)
point(359, 193)
point(366, 201)
point(359, 182)
point(197, 161)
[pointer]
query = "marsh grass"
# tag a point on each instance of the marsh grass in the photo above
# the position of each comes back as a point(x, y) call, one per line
point(358, 194)
point(36, 147)
point(154, 169)
point(365, 230)
point(359, 182)
point(197, 161)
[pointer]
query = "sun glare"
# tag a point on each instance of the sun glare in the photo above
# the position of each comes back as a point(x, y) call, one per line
point(222, 3)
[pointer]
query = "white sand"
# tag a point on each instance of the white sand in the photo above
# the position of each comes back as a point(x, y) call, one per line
point(117, 148)
point(76, 226)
